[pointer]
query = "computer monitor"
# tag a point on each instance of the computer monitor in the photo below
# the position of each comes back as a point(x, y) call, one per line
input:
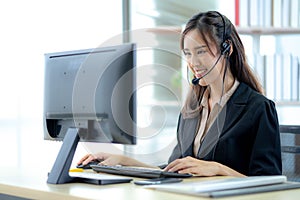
point(89, 95)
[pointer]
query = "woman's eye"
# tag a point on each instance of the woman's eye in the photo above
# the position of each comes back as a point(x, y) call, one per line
point(187, 53)
point(201, 51)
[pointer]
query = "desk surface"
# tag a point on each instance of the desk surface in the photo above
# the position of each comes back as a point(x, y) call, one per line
point(35, 187)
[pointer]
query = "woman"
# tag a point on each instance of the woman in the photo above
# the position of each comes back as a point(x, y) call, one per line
point(226, 127)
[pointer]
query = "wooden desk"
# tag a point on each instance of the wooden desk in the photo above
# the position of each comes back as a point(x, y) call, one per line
point(34, 186)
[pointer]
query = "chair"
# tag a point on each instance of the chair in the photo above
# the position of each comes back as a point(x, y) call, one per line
point(290, 149)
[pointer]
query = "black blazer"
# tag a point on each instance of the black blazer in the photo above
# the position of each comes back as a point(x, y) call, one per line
point(248, 141)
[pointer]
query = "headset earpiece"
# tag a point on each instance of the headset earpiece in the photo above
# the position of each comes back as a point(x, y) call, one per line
point(225, 47)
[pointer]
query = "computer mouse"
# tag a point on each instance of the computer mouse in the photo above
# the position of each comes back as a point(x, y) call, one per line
point(88, 166)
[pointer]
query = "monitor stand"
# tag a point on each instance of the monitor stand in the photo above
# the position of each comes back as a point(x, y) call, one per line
point(60, 171)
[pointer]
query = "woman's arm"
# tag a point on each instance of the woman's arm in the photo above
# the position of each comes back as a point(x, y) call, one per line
point(266, 151)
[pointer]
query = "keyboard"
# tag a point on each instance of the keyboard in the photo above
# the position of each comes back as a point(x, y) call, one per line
point(137, 171)
point(98, 179)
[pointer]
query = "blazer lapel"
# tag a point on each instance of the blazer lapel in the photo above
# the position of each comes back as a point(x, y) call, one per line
point(227, 117)
point(235, 106)
point(187, 141)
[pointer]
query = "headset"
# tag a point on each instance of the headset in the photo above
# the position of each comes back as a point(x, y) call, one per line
point(225, 48)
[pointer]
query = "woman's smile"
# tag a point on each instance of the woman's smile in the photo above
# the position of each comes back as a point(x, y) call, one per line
point(199, 72)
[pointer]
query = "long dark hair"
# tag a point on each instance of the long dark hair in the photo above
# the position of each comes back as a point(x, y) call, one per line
point(210, 26)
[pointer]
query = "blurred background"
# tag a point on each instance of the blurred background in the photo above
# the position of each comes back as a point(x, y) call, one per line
point(32, 28)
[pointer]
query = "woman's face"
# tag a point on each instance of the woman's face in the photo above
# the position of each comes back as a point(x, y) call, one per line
point(200, 59)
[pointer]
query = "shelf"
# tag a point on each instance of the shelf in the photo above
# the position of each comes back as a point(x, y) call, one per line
point(165, 30)
point(241, 30)
point(287, 103)
point(268, 30)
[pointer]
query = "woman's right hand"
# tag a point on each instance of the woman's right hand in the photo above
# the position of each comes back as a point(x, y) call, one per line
point(103, 158)
point(113, 159)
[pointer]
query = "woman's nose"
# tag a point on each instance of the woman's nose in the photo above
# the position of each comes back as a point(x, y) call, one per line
point(194, 61)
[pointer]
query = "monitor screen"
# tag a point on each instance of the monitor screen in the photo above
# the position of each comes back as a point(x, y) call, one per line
point(92, 90)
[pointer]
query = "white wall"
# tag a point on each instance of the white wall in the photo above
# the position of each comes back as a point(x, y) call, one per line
point(28, 30)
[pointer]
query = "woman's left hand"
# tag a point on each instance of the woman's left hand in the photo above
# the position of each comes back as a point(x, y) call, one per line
point(200, 167)
point(194, 166)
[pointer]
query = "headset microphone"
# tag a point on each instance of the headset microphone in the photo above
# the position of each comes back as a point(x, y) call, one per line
point(195, 81)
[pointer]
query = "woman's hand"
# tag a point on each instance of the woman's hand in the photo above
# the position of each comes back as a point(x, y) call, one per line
point(112, 159)
point(193, 166)
point(200, 167)
point(103, 158)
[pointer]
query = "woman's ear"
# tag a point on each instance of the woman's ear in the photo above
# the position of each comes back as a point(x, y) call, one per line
point(231, 48)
